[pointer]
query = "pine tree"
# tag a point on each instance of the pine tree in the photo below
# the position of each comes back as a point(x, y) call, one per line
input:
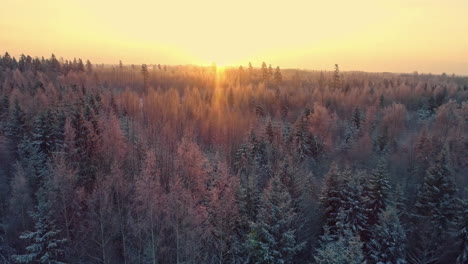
point(388, 239)
point(89, 66)
point(278, 76)
point(272, 238)
point(80, 66)
point(336, 79)
point(46, 244)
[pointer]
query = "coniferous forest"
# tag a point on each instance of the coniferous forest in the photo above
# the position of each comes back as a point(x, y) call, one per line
point(256, 164)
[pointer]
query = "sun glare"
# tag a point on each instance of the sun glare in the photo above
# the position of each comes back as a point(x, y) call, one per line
point(397, 35)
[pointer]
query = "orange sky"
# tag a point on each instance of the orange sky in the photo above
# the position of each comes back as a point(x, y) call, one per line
point(369, 35)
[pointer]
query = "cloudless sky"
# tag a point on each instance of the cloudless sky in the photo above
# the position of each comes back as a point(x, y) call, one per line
point(370, 35)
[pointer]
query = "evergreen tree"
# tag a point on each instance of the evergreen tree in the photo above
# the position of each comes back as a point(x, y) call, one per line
point(54, 63)
point(264, 72)
point(353, 213)
point(435, 211)
point(463, 234)
point(336, 79)
point(80, 66)
point(272, 238)
point(388, 239)
point(33, 161)
point(89, 66)
point(4, 108)
point(145, 74)
point(45, 242)
point(16, 125)
point(381, 144)
point(303, 138)
point(278, 76)
point(379, 191)
point(357, 119)
point(331, 198)
point(42, 135)
point(347, 249)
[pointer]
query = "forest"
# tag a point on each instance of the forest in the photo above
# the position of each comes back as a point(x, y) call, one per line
point(252, 164)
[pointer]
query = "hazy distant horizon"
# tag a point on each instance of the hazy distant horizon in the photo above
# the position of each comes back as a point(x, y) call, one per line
point(374, 36)
point(245, 65)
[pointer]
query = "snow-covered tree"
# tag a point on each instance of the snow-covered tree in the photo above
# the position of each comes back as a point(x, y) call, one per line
point(435, 210)
point(331, 198)
point(16, 124)
point(42, 134)
point(353, 211)
point(272, 237)
point(347, 249)
point(379, 191)
point(45, 242)
point(388, 239)
point(463, 234)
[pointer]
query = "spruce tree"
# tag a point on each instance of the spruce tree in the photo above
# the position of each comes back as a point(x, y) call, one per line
point(357, 119)
point(145, 74)
point(336, 79)
point(278, 76)
point(43, 132)
point(435, 211)
point(89, 66)
point(331, 198)
point(388, 241)
point(272, 237)
point(33, 161)
point(379, 191)
point(353, 213)
point(80, 66)
point(264, 72)
point(45, 244)
point(347, 249)
point(16, 125)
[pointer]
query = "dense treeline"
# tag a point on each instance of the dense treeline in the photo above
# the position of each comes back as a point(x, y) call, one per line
point(186, 164)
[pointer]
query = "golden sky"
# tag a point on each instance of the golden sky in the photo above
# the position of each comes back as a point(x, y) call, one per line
point(370, 35)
